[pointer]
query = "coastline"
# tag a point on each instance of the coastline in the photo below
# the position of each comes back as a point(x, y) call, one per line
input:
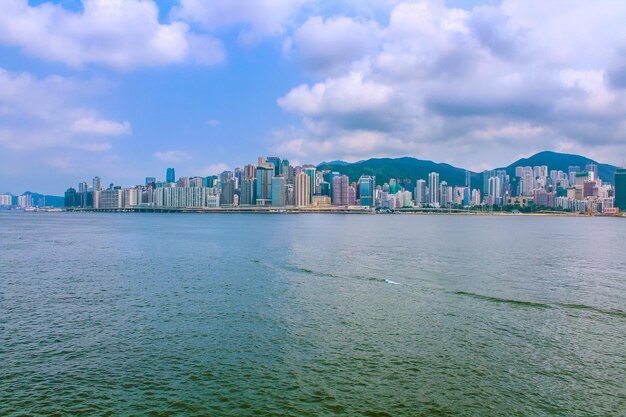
point(327, 210)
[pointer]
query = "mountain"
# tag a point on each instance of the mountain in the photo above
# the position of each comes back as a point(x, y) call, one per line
point(562, 162)
point(43, 200)
point(411, 168)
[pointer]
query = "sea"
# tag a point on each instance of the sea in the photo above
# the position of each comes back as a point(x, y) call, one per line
point(128, 314)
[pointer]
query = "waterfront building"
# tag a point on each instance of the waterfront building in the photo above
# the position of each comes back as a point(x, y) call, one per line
point(248, 192)
point(265, 173)
point(278, 191)
point(434, 188)
point(302, 189)
point(228, 193)
point(170, 175)
point(310, 170)
point(6, 200)
point(351, 195)
point(620, 189)
point(112, 198)
point(494, 191)
point(420, 192)
point(366, 190)
point(320, 200)
point(25, 201)
point(97, 186)
point(70, 198)
point(340, 190)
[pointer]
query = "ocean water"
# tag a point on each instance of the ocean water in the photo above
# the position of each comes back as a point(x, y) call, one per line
point(311, 315)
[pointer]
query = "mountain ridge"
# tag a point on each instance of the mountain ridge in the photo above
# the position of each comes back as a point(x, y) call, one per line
point(413, 168)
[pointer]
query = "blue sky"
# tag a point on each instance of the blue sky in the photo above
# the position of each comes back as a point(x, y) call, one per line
point(125, 88)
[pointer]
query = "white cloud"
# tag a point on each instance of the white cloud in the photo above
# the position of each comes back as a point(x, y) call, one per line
point(469, 86)
point(172, 156)
point(90, 125)
point(348, 94)
point(214, 169)
point(122, 34)
point(328, 45)
point(40, 113)
point(254, 19)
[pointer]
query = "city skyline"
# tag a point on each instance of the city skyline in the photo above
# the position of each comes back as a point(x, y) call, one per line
point(274, 183)
point(208, 86)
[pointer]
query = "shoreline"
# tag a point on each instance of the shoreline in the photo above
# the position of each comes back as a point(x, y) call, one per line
point(317, 210)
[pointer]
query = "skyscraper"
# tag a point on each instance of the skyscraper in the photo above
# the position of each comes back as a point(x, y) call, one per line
point(302, 189)
point(310, 171)
point(278, 191)
point(433, 187)
point(420, 192)
point(366, 190)
point(275, 161)
point(264, 175)
point(620, 189)
point(228, 192)
point(96, 184)
point(170, 175)
point(340, 190)
point(495, 191)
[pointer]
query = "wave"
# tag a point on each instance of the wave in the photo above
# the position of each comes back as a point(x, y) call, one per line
point(302, 270)
point(502, 300)
point(531, 304)
point(610, 312)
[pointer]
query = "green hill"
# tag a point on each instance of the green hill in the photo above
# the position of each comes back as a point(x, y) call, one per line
point(414, 169)
point(562, 161)
point(411, 168)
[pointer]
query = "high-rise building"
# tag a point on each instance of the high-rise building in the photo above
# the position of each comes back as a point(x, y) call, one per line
point(228, 192)
point(264, 175)
point(310, 171)
point(5, 199)
point(150, 182)
point(420, 192)
point(366, 190)
point(285, 171)
point(433, 187)
point(247, 192)
point(340, 190)
point(494, 191)
point(591, 167)
point(302, 189)
point(97, 186)
point(620, 189)
point(25, 201)
point(486, 175)
point(170, 175)
point(275, 161)
point(278, 191)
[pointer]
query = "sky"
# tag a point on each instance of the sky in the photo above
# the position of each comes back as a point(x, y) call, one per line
point(124, 89)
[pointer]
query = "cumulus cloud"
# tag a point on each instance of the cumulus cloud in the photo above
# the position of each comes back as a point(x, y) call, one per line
point(122, 34)
point(330, 44)
point(172, 156)
point(254, 19)
point(40, 113)
point(462, 86)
